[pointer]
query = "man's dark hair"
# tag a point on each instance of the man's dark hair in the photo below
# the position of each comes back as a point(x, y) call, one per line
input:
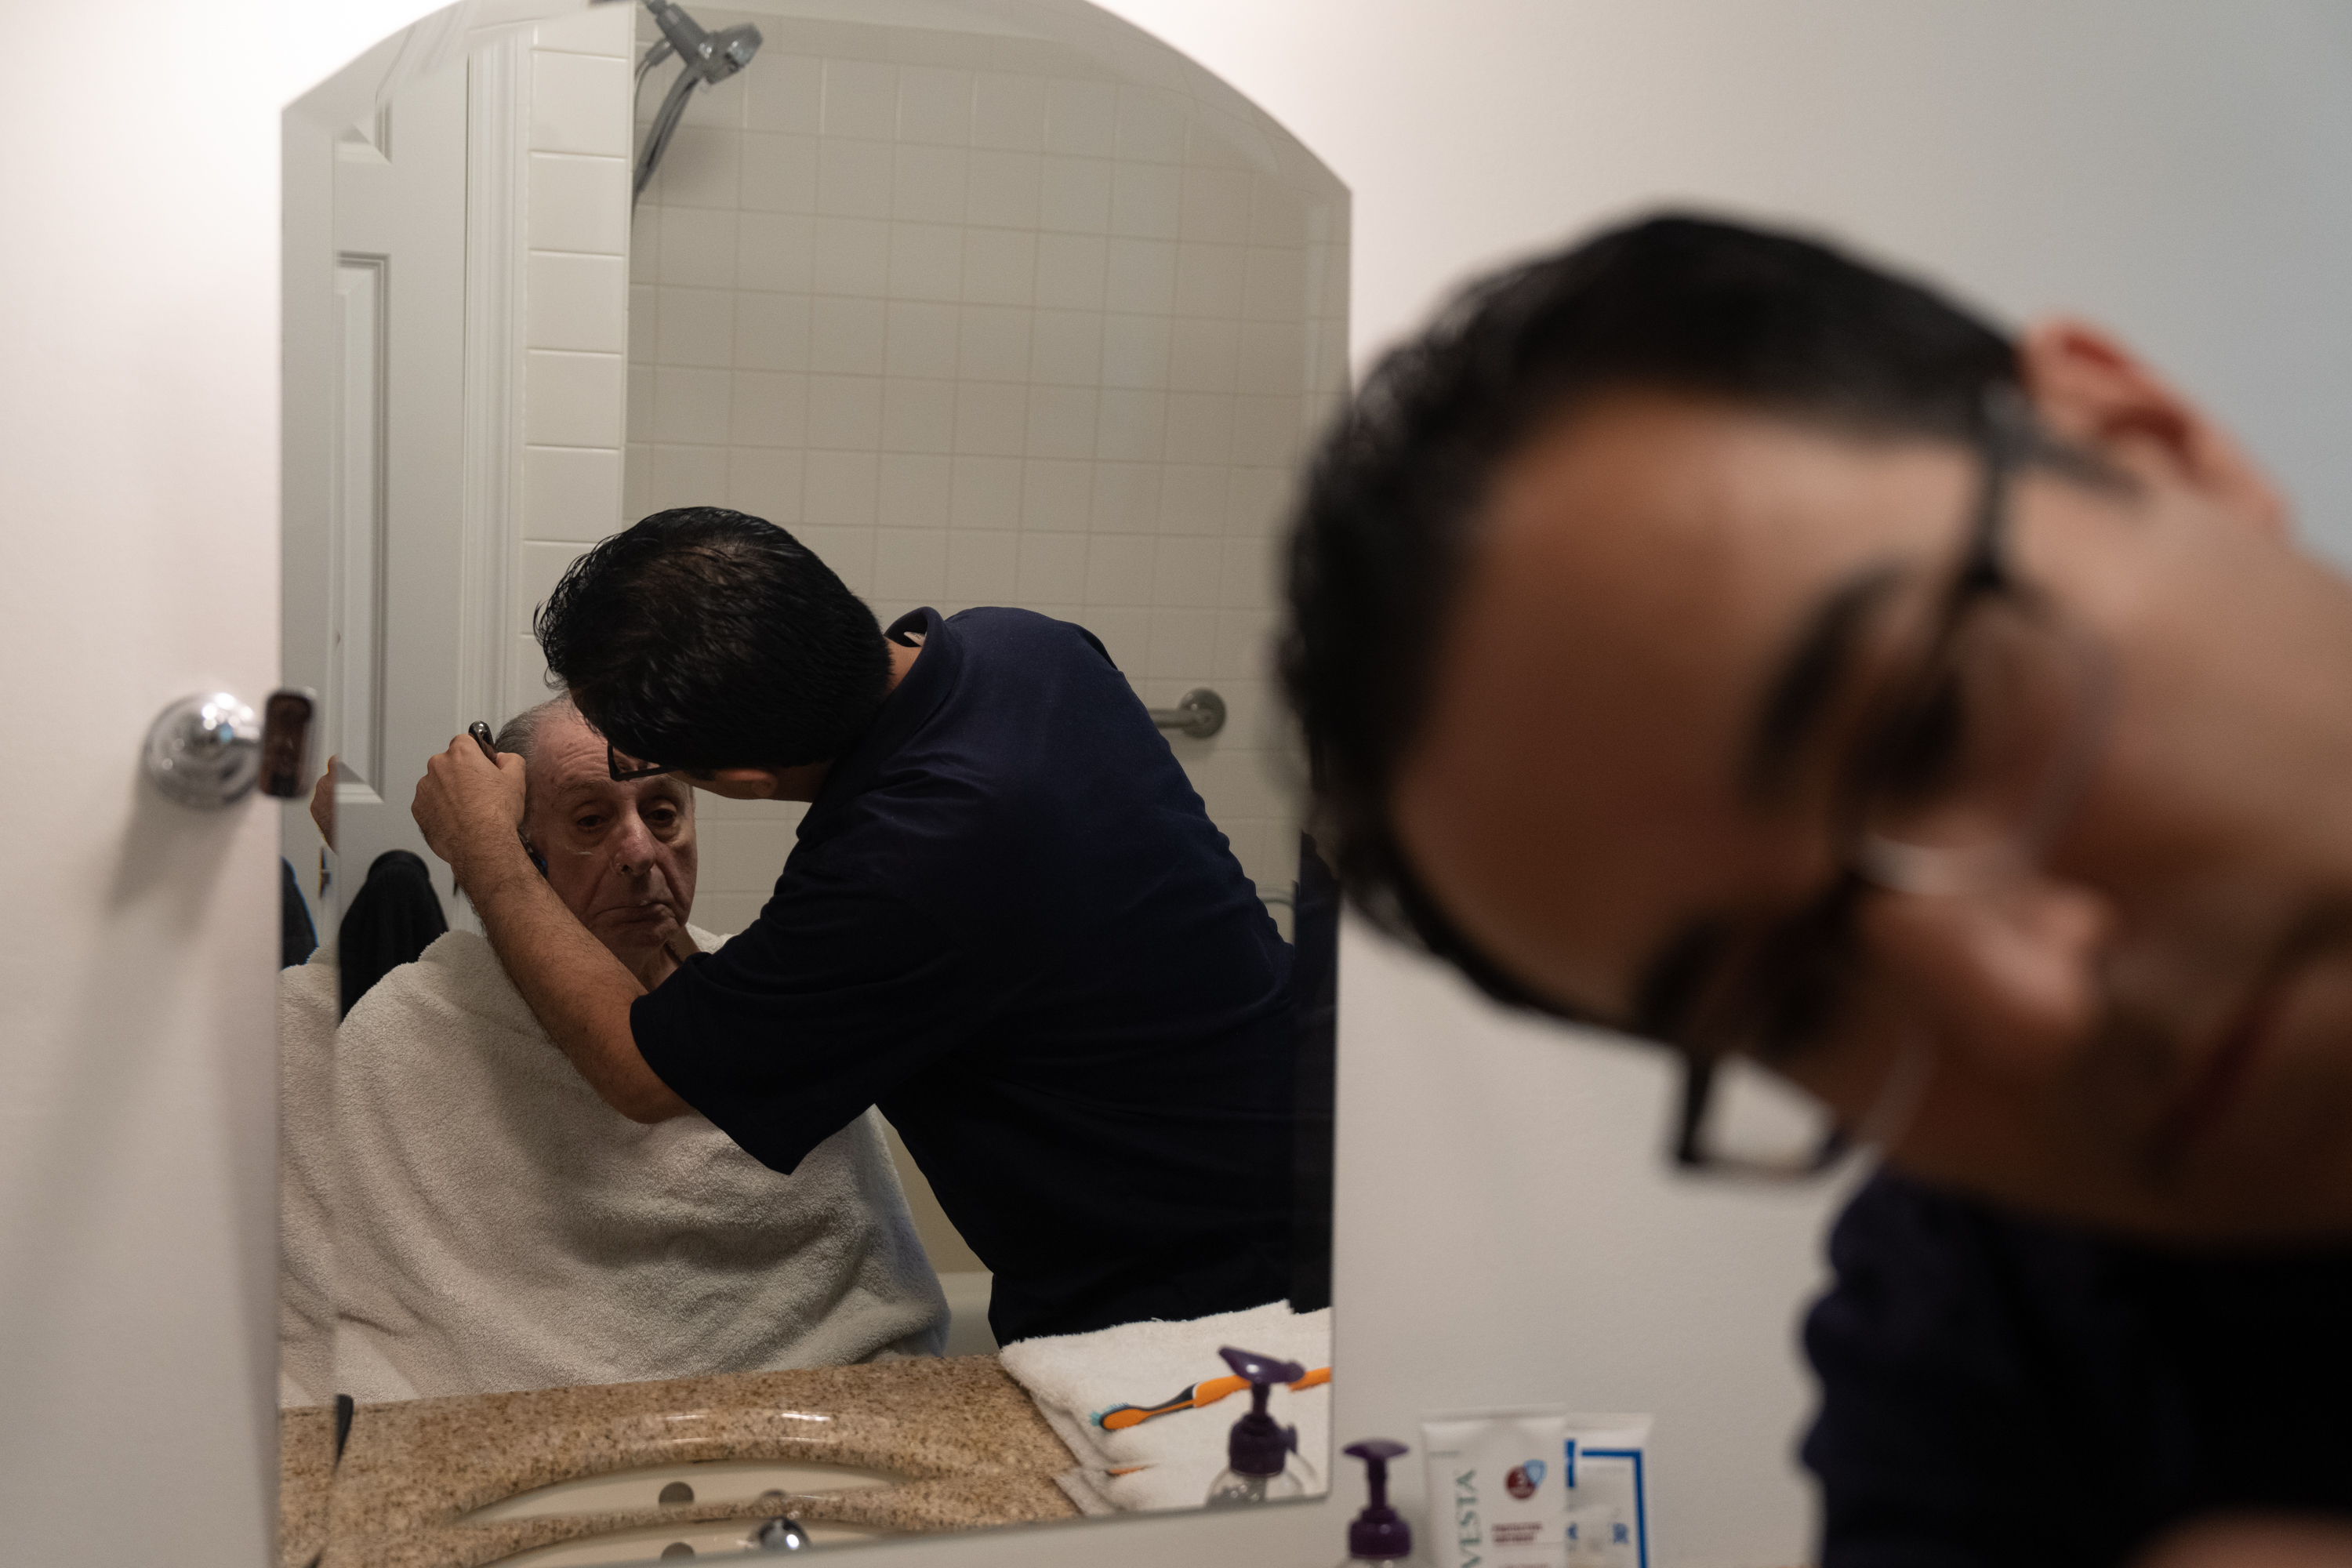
point(705, 638)
point(1675, 303)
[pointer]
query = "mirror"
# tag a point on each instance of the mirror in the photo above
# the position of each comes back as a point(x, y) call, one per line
point(1004, 312)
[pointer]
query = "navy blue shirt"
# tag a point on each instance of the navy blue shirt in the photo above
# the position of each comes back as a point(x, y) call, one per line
point(2000, 1391)
point(1009, 922)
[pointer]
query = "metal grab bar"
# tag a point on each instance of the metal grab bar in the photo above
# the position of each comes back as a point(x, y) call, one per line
point(1198, 713)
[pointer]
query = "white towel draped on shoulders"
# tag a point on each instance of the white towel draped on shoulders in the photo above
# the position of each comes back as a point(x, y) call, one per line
point(497, 1227)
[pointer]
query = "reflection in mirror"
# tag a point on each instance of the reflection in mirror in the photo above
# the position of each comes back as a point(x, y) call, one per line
point(980, 1084)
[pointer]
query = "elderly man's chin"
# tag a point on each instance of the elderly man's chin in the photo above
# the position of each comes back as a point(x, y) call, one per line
point(633, 933)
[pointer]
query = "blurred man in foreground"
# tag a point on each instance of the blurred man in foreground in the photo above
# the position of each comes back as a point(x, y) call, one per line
point(1700, 634)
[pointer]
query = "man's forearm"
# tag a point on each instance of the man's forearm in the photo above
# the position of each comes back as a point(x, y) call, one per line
point(580, 993)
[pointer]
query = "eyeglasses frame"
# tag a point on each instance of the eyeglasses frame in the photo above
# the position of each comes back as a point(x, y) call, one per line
point(620, 775)
point(2007, 441)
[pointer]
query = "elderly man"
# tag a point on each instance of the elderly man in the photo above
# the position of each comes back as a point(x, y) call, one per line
point(1705, 635)
point(497, 1227)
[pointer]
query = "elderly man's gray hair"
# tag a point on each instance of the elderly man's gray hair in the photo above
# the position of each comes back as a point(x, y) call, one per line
point(519, 734)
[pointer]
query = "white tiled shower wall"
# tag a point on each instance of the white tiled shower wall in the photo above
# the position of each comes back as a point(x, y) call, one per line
point(982, 318)
point(994, 319)
point(575, 310)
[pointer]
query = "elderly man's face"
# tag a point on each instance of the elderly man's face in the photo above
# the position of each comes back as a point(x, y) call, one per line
point(619, 856)
point(2150, 1027)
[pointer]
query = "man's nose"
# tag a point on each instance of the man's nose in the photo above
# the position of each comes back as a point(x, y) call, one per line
point(634, 844)
point(2011, 976)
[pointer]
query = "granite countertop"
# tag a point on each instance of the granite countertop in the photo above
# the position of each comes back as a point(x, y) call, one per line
point(973, 1448)
point(306, 1463)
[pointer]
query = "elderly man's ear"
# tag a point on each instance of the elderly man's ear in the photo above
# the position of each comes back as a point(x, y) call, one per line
point(2094, 391)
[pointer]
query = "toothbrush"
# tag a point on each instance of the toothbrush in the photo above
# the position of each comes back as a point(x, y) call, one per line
point(1120, 1417)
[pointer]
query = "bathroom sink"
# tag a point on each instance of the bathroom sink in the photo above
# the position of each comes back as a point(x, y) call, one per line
point(675, 1486)
point(651, 1543)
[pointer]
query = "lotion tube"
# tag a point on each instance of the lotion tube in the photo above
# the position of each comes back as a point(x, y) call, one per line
point(1497, 1495)
point(1608, 1505)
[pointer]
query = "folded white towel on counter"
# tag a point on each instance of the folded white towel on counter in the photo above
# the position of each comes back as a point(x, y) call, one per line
point(307, 1002)
point(1168, 1461)
point(497, 1227)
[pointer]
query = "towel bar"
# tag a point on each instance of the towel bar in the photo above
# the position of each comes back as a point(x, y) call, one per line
point(1198, 713)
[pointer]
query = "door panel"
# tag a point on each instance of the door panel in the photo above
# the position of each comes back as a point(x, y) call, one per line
point(374, 470)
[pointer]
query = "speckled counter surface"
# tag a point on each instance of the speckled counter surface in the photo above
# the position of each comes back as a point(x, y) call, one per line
point(306, 1464)
point(973, 1448)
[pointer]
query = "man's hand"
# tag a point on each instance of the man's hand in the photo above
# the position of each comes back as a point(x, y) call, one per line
point(470, 810)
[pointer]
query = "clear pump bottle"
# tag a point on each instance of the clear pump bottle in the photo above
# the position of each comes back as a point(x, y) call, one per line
point(1380, 1533)
point(1261, 1462)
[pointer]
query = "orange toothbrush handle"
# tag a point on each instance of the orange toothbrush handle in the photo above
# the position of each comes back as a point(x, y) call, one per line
point(1199, 1393)
point(1195, 1397)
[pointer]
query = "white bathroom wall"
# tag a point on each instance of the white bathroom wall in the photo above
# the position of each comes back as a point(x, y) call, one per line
point(995, 317)
point(2172, 170)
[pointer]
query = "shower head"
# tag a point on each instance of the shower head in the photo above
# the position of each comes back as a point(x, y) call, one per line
point(706, 58)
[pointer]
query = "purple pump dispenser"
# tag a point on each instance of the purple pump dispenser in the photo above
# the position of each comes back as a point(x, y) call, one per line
point(1258, 1446)
point(1258, 1454)
point(1380, 1533)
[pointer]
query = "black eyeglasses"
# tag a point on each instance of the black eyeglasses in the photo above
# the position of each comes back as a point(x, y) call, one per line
point(1966, 769)
point(635, 769)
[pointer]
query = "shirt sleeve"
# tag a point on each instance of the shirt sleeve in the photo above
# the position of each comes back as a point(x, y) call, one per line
point(835, 996)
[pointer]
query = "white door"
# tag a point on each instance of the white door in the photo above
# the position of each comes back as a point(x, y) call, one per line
point(376, 267)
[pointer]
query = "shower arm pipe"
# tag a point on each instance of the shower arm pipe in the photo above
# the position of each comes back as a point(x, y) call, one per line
point(684, 36)
point(664, 127)
point(660, 52)
point(681, 36)
point(663, 47)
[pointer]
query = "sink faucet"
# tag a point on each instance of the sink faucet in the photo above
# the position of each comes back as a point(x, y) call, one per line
point(782, 1533)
